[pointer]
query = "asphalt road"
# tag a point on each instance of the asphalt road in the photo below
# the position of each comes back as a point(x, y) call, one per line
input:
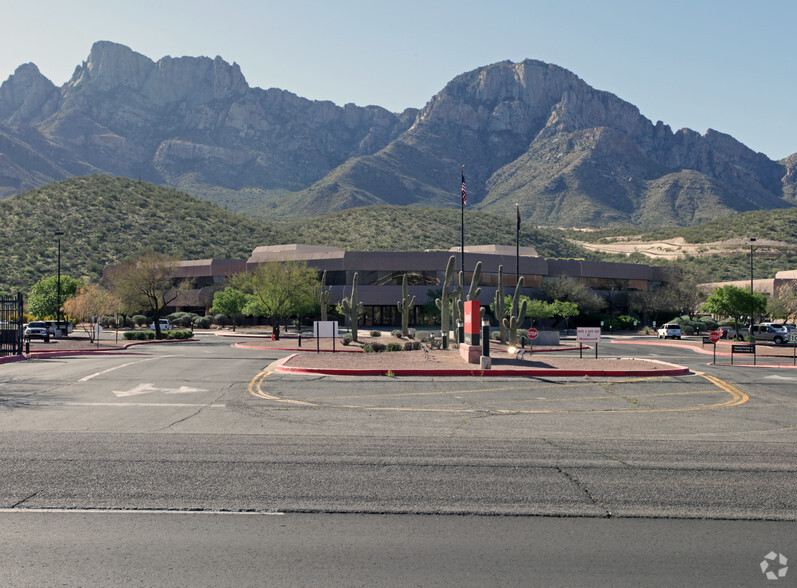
point(597, 482)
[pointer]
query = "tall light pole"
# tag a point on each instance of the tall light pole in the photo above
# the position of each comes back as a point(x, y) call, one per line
point(58, 235)
point(752, 302)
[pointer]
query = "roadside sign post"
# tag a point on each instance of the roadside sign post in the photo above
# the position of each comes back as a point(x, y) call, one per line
point(588, 335)
point(324, 329)
point(714, 336)
point(793, 341)
point(748, 348)
point(532, 333)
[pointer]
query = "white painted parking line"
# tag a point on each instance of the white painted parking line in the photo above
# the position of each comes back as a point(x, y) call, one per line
point(118, 367)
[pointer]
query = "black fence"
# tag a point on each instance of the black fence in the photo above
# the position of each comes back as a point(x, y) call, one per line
point(11, 325)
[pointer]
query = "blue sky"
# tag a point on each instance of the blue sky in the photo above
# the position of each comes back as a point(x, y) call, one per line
point(730, 66)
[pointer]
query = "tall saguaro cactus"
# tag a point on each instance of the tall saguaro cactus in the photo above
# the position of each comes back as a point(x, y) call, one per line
point(352, 308)
point(323, 295)
point(405, 306)
point(499, 305)
point(473, 293)
point(517, 314)
point(444, 302)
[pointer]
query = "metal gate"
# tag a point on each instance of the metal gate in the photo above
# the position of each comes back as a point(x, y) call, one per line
point(11, 325)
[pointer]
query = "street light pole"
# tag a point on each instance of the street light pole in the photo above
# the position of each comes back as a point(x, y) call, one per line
point(58, 234)
point(752, 302)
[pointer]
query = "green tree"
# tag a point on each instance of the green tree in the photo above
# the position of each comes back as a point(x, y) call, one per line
point(43, 297)
point(536, 309)
point(734, 302)
point(564, 310)
point(231, 302)
point(279, 289)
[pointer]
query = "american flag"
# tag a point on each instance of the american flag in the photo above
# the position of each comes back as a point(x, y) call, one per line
point(464, 192)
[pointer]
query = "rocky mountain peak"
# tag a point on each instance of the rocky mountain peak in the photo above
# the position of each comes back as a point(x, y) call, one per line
point(111, 64)
point(27, 94)
point(195, 79)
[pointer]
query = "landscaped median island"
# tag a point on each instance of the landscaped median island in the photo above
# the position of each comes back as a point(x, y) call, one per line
point(561, 360)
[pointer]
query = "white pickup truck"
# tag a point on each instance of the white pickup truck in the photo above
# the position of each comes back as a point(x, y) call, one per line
point(164, 323)
point(670, 330)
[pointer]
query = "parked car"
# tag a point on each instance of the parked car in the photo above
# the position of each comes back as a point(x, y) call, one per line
point(37, 330)
point(726, 332)
point(670, 330)
point(774, 332)
point(164, 323)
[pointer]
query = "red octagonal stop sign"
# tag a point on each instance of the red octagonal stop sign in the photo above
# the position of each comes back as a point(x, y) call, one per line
point(714, 336)
point(532, 333)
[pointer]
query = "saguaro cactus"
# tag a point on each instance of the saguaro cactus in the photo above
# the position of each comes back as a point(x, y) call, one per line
point(352, 308)
point(323, 295)
point(499, 305)
point(444, 302)
point(517, 314)
point(405, 306)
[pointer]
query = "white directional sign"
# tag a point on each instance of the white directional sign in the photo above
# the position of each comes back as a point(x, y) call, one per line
point(149, 388)
point(588, 334)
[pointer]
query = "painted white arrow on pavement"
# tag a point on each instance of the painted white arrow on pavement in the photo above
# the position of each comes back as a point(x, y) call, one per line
point(147, 388)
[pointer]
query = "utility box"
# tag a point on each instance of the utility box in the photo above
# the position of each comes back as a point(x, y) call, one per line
point(473, 322)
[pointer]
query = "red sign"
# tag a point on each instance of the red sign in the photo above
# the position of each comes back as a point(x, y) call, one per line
point(714, 336)
point(532, 333)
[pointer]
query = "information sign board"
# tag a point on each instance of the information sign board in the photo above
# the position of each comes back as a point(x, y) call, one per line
point(588, 334)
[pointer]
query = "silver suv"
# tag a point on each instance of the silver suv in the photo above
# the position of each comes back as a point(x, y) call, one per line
point(774, 332)
point(670, 330)
point(37, 330)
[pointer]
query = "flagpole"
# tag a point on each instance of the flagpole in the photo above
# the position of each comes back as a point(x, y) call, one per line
point(517, 245)
point(462, 221)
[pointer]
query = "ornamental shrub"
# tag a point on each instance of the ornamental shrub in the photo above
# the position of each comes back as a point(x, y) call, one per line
point(396, 333)
point(367, 348)
point(346, 339)
point(140, 320)
point(221, 319)
point(394, 346)
point(377, 347)
point(376, 333)
point(202, 322)
point(108, 322)
point(412, 345)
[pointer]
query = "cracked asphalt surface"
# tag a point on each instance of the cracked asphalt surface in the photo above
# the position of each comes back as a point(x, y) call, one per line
point(206, 428)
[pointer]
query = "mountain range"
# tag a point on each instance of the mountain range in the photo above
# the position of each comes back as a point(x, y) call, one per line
point(529, 133)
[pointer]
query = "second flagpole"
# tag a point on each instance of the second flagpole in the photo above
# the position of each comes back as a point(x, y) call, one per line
point(462, 223)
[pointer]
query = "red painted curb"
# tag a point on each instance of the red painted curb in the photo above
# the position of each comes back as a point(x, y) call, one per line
point(490, 372)
point(105, 351)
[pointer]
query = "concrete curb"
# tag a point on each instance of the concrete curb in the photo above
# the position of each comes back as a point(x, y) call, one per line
point(675, 370)
point(297, 349)
point(105, 351)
